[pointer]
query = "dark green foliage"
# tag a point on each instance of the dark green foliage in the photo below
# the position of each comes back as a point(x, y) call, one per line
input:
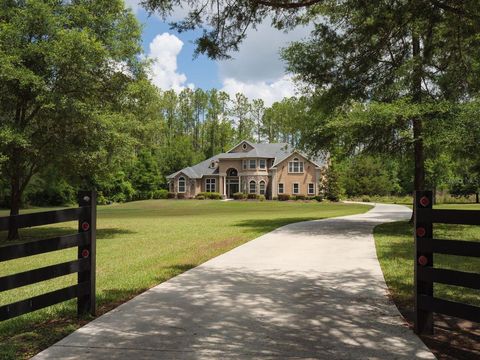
point(332, 189)
point(239, 196)
point(51, 190)
point(283, 197)
point(252, 196)
point(261, 197)
point(210, 195)
point(160, 194)
point(367, 175)
point(145, 176)
point(300, 197)
point(181, 196)
point(171, 195)
point(319, 198)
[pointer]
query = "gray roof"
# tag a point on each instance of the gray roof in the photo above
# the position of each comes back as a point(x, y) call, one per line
point(277, 151)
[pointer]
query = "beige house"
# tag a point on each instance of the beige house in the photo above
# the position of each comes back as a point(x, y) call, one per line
point(266, 169)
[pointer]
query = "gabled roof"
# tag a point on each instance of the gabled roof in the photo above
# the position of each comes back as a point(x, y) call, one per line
point(277, 151)
point(197, 171)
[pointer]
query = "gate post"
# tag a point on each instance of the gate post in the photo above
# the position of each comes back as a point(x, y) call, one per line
point(87, 223)
point(423, 232)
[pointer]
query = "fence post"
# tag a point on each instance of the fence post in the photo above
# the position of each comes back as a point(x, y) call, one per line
point(423, 231)
point(87, 222)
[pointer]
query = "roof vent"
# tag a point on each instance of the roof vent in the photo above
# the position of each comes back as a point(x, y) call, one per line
point(244, 146)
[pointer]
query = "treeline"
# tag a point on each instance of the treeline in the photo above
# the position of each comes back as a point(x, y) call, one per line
point(161, 132)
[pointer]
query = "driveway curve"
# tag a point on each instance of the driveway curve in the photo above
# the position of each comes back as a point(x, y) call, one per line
point(309, 290)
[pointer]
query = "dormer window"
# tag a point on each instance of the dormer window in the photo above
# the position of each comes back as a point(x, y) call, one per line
point(213, 165)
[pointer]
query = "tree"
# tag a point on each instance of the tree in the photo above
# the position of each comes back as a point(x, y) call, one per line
point(64, 67)
point(225, 23)
point(421, 52)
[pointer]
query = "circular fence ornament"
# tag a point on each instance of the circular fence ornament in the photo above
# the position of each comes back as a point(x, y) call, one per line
point(85, 226)
point(85, 253)
point(422, 260)
point(421, 232)
point(424, 201)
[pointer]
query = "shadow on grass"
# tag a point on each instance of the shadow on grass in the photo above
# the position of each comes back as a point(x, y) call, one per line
point(27, 235)
point(266, 225)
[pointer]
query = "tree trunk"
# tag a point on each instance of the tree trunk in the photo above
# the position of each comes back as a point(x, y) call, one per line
point(15, 200)
point(419, 153)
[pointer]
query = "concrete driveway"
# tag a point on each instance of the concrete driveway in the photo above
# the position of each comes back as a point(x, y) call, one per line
point(307, 290)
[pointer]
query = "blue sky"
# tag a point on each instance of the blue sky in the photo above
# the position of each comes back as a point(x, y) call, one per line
point(256, 70)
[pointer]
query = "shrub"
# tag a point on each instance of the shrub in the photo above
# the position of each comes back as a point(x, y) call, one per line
point(365, 199)
point(261, 197)
point(319, 198)
point(252, 196)
point(283, 197)
point(210, 195)
point(102, 200)
point(274, 198)
point(214, 196)
point(171, 195)
point(300, 197)
point(160, 194)
point(200, 197)
point(181, 196)
point(239, 196)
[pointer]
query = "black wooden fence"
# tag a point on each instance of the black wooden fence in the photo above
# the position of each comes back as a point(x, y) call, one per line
point(426, 275)
point(84, 239)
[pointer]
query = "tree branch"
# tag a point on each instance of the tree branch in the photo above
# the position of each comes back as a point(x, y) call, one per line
point(287, 5)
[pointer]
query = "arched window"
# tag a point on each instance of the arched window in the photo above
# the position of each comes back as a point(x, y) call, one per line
point(252, 187)
point(261, 187)
point(181, 184)
point(232, 172)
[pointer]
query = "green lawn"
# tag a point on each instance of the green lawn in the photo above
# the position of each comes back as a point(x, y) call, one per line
point(395, 250)
point(141, 244)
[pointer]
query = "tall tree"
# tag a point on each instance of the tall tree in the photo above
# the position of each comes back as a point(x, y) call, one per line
point(64, 65)
point(422, 51)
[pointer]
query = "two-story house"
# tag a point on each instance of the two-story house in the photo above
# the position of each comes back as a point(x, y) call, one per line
point(267, 169)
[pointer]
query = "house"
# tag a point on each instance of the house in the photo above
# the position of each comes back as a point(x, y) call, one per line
point(264, 169)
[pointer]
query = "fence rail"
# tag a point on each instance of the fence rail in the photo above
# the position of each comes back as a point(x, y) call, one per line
point(425, 275)
point(84, 265)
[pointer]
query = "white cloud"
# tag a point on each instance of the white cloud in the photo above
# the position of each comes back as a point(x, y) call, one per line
point(258, 58)
point(164, 50)
point(269, 92)
point(257, 69)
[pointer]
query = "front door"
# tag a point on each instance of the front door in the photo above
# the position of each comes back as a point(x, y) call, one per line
point(232, 189)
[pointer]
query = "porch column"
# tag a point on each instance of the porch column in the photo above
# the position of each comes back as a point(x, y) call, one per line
point(224, 186)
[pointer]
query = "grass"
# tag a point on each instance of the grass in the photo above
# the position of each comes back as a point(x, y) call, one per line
point(141, 244)
point(395, 250)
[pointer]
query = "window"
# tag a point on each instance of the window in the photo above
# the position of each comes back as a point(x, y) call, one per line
point(244, 146)
point(252, 164)
point(181, 184)
point(281, 189)
point(262, 164)
point(212, 165)
point(295, 166)
point(261, 187)
point(252, 187)
point(296, 188)
point(244, 164)
point(311, 188)
point(210, 185)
